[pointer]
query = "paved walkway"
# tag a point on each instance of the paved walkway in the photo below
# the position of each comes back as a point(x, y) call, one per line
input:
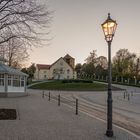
point(39, 119)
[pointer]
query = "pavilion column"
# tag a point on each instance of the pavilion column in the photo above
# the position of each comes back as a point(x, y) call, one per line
point(6, 83)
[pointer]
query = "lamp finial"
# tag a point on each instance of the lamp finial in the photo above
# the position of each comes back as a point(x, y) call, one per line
point(109, 16)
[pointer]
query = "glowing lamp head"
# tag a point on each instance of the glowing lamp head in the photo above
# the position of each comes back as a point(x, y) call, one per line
point(109, 28)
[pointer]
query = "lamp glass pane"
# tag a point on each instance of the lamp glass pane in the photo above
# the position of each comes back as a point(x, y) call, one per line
point(109, 28)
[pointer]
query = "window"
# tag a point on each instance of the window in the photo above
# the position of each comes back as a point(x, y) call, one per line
point(68, 61)
point(61, 71)
point(68, 71)
point(1, 79)
point(22, 81)
point(16, 81)
point(54, 71)
point(10, 79)
point(45, 71)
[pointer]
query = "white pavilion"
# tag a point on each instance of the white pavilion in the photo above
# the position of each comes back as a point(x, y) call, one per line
point(12, 81)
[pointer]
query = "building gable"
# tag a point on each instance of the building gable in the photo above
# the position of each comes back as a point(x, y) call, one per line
point(61, 63)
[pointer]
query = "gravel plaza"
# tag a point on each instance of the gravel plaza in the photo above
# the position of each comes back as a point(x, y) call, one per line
point(39, 119)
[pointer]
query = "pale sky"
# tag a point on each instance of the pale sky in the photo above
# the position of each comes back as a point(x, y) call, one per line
point(76, 28)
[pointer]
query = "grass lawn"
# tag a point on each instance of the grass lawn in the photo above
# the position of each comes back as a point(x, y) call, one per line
point(58, 85)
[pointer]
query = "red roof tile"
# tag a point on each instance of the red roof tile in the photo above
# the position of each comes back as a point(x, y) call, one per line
point(43, 66)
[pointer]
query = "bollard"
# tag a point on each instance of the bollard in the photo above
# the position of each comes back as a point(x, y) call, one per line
point(76, 107)
point(43, 94)
point(131, 93)
point(59, 100)
point(49, 96)
point(128, 97)
point(124, 95)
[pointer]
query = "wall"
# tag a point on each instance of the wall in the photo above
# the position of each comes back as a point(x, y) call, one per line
point(16, 89)
point(39, 74)
point(2, 89)
point(58, 66)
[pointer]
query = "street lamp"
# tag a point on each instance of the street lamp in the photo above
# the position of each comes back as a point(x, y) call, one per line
point(109, 28)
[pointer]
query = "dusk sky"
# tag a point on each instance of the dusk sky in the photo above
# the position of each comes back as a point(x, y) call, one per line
point(76, 29)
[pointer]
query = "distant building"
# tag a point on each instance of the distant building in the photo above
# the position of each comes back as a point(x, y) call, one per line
point(63, 68)
point(12, 81)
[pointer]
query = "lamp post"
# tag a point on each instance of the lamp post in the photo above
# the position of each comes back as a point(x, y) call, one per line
point(109, 28)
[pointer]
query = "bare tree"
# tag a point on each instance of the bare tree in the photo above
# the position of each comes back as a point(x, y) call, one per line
point(23, 23)
point(15, 52)
point(20, 19)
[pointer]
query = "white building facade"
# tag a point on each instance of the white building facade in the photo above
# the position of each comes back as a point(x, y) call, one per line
point(63, 68)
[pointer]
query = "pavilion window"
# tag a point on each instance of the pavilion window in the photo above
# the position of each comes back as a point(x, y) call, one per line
point(10, 80)
point(1, 79)
point(22, 81)
point(16, 81)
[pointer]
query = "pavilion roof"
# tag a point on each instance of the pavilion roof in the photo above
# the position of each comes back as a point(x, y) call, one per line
point(6, 69)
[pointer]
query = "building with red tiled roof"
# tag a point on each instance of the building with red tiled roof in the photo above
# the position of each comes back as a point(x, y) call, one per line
point(63, 68)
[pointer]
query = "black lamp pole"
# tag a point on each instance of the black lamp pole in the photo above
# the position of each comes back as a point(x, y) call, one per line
point(109, 131)
point(109, 27)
